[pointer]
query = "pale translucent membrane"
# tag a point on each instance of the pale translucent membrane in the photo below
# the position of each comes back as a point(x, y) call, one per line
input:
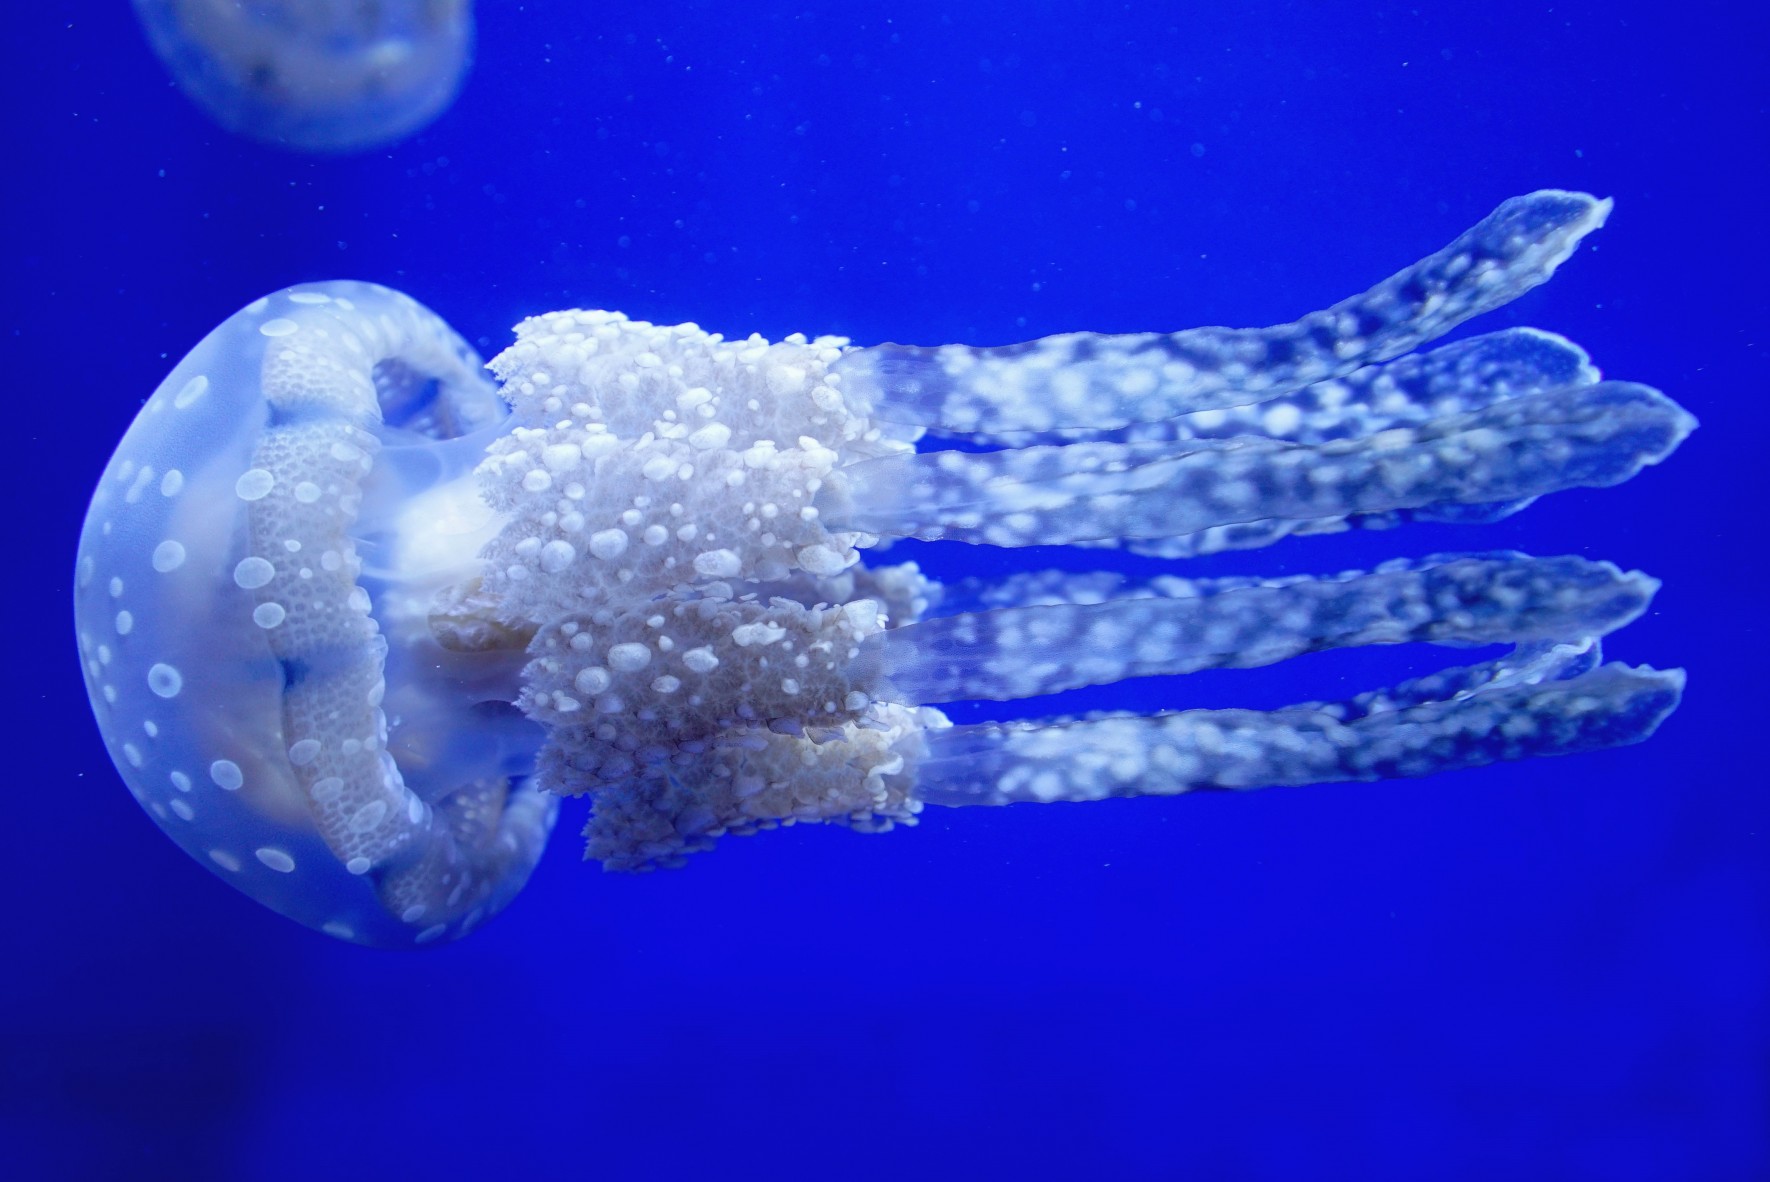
point(644, 585)
point(1091, 380)
point(277, 708)
point(315, 75)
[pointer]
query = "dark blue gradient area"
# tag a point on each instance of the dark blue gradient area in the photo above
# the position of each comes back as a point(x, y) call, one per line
point(1556, 970)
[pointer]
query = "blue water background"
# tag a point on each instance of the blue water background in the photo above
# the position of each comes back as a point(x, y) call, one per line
point(1557, 970)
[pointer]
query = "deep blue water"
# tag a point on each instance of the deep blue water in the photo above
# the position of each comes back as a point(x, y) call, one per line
point(1556, 970)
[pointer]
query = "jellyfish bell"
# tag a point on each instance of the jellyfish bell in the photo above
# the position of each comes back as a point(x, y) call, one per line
point(245, 637)
point(315, 75)
point(353, 621)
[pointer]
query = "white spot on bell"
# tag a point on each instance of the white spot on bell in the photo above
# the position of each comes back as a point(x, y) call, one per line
point(164, 680)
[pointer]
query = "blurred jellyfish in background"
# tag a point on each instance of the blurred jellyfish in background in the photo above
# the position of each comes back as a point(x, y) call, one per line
point(315, 75)
point(353, 619)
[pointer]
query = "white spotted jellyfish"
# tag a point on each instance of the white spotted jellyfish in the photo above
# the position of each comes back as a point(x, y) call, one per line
point(315, 75)
point(353, 619)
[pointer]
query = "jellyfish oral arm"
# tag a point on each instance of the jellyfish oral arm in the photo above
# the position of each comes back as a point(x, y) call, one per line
point(1551, 701)
point(1457, 600)
point(1602, 435)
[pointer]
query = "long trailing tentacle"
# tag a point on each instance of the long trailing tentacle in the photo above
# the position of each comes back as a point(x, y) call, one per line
point(1090, 380)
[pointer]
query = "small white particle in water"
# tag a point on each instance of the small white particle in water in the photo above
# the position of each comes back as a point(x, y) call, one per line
point(276, 859)
point(164, 680)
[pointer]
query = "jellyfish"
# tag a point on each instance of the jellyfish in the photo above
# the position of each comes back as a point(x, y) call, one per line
point(315, 75)
point(354, 618)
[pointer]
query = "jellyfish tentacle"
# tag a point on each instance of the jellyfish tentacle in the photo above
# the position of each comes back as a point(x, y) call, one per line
point(1502, 713)
point(1462, 601)
point(1091, 380)
point(1591, 436)
point(1457, 378)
